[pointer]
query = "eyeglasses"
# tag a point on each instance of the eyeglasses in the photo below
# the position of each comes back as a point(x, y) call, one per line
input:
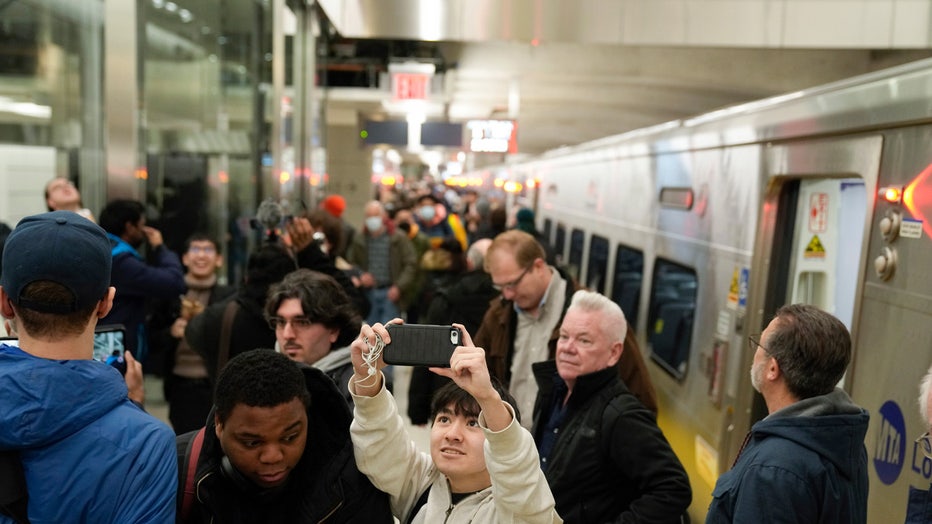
point(514, 283)
point(199, 250)
point(925, 444)
point(297, 323)
point(754, 343)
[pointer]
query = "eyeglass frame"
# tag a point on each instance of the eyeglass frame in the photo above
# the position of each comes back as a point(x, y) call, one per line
point(925, 444)
point(514, 283)
point(297, 323)
point(202, 250)
point(754, 344)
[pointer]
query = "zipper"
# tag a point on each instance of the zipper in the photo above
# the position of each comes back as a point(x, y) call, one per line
point(331, 512)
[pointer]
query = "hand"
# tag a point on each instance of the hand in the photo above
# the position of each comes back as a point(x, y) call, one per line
point(177, 329)
point(134, 379)
point(153, 236)
point(393, 294)
point(300, 232)
point(469, 370)
point(365, 384)
point(367, 280)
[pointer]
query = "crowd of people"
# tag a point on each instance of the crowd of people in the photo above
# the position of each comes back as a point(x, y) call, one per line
point(281, 405)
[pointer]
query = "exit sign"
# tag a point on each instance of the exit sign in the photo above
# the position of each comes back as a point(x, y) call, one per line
point(410, 86)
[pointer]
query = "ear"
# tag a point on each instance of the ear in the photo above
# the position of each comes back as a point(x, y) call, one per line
point(106, 303)
point(6, 305)
point(773, 370)
point(615, 353)
point(218, 426)
point(334, 335)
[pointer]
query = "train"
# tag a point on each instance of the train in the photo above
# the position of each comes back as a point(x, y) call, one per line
point(701, 228)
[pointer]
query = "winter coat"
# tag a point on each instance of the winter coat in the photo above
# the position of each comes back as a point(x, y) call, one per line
point(804, 463)
point(386, 454)
point(610, 461)
point(324, 487)
point(89, 453)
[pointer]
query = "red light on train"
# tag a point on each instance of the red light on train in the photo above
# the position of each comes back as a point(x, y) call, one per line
point(917, 197)
point(891, 194)
point(141, 174)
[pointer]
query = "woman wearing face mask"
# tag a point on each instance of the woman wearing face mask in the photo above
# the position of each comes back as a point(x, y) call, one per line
point(388, 263)
point(436, 223)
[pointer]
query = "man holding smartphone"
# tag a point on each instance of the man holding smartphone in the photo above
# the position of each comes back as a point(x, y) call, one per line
point(88, 452)
point(475, 443)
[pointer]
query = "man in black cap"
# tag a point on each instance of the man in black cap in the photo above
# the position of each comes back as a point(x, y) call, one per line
point(86, 449)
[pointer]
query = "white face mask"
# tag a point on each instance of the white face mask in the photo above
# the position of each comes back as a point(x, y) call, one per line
point(427, 213)
point(373, 224)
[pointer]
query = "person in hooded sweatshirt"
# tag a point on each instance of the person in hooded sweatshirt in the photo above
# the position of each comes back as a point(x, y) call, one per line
point(806, 460)
point(88, 452)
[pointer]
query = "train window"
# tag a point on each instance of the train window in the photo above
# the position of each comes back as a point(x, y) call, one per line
point(670, 316)
point(548, 230)
point(577, 240)
point(598, 264)
point(676, 197)
point(626, 286)
point(559, 244)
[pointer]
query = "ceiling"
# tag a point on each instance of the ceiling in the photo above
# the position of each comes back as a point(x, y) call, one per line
point(579, 81)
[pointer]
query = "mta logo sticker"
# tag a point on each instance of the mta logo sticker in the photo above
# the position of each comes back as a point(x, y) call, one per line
point(890, 449)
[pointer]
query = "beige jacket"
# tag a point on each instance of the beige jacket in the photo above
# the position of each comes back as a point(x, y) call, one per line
point(386, 454)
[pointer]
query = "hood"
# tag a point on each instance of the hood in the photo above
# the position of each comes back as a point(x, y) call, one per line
point(335, 359)
point(35, 412)
point(829, 425)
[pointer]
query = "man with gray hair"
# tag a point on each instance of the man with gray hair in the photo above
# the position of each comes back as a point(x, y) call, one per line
point(808, 452)
point(603, 454)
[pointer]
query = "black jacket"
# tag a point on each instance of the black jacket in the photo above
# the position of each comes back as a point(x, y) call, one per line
point(325, 486)
point(610, 462)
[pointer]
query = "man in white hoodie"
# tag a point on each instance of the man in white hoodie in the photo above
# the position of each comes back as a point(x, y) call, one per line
point(477, 446)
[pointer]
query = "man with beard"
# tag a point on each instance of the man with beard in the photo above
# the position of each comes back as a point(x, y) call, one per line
point(808, 452)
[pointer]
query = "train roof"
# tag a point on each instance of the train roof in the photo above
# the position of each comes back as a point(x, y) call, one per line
point(891, 97)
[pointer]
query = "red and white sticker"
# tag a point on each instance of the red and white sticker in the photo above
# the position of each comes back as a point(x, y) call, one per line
point(818, 212)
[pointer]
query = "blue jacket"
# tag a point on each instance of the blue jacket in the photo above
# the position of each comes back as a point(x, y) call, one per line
point(89, 453)
point(803, 463)
point(136, 282)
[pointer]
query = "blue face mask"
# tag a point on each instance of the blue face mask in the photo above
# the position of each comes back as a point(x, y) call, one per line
point(427, 213)
point(373, 224)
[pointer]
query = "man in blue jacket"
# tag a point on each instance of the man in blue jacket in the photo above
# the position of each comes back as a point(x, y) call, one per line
point(138, 280)
point(88, 452)
point(805, 461)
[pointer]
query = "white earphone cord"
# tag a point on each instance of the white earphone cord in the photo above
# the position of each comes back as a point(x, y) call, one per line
point(370, 358)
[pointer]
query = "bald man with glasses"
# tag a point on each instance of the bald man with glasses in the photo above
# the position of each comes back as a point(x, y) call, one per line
point(522, 325)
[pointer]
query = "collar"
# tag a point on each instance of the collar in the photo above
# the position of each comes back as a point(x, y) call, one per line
point(121, 247)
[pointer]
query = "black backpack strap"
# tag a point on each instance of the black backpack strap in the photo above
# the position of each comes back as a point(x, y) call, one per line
point(14, 498)
point(418, 505)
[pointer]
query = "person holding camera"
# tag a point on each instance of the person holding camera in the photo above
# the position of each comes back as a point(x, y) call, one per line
point(475, 443)
point(85, 450)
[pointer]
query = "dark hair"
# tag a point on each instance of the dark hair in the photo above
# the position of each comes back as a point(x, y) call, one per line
point(260, 378)
point(322, 300)
point(331, 226)
point(200, 237)
point(266, 265)
point(812, 347)
point(52, 325)
point(464, 403)
point(114, 217)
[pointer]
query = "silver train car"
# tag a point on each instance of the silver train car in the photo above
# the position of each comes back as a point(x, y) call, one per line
point(700, 229)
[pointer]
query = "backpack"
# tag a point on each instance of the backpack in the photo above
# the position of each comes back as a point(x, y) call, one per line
point(14, 498)
point(187, 468)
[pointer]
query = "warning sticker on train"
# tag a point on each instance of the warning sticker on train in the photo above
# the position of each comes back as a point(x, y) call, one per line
point(818, 212)
point(815, 249)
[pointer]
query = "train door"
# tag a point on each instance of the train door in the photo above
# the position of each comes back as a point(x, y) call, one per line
point(811, 241)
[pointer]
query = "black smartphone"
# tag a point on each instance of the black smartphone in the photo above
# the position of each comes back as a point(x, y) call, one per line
point(421, 345)
point(109, 345)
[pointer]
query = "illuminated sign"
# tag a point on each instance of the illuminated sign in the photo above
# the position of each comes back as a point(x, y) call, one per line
point(410, 86)
point(492, 136)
